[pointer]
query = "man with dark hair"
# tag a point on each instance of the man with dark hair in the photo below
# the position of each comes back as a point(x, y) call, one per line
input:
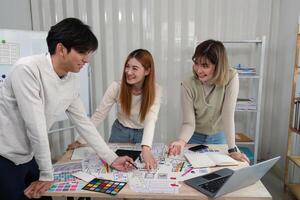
point(38, 90)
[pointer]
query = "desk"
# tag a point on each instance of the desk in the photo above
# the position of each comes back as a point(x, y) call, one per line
point(255, 191)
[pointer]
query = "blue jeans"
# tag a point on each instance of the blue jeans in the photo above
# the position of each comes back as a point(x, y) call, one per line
point(122, 134)
point(200, 138)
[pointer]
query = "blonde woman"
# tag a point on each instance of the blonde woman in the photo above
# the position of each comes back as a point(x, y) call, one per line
point(209, 100)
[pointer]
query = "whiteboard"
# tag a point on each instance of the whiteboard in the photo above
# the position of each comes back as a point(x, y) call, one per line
point(18, 43)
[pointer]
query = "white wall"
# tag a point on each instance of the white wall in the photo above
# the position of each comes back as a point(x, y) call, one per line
point(169, 29)
point(284, 28)
point(15, 14)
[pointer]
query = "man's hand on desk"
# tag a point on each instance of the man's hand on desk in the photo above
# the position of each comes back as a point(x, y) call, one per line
point(37, 188)
point(148, 158)
point(239, 156)
point(123, 163)
point(176, 147)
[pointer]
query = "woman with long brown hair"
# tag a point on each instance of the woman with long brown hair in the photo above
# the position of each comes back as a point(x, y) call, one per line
point(137, 97)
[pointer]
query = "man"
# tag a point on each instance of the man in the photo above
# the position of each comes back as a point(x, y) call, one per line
point(38, 90)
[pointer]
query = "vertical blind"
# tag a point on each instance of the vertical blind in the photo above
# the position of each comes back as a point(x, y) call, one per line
point(169, 29)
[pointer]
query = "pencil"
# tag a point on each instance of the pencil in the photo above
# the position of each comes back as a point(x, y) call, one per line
point(185, 173)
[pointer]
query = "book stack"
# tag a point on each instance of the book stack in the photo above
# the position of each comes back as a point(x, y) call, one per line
point(245, 104)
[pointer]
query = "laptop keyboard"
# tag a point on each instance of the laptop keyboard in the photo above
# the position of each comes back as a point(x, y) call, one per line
point(215, 185)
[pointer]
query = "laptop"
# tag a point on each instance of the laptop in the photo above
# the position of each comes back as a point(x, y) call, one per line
point(227, 180)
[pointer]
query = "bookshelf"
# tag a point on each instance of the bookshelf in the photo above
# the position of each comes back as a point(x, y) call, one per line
point(293, 160)
point(248, 57)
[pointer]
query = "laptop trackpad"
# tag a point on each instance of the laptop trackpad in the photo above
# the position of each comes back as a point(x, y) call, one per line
point(209, 184)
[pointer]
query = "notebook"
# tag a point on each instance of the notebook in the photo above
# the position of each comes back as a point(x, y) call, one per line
point(226, 180)
point(209, 159)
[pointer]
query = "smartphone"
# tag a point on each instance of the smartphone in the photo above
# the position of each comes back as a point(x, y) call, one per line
point(198, 147)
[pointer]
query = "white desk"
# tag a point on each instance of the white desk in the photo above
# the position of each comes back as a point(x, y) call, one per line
point(255, 191)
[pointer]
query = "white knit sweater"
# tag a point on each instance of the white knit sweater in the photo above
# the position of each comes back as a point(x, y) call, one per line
point(31, 99)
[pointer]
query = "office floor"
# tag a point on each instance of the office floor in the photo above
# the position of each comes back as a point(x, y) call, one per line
point(273, 184)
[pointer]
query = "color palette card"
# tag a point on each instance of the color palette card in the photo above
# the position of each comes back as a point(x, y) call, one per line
point(104, 186)
point(66, 186)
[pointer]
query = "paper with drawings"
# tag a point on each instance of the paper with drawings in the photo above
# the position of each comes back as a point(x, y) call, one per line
point(152, 183)
point(83, 176)
point(164, 179)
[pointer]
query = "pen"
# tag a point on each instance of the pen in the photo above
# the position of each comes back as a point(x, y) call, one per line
point(133, 164)
point(185, 173)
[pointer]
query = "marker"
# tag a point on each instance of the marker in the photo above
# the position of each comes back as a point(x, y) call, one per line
point(182, 164)
point(174, 185)
point(185, 173)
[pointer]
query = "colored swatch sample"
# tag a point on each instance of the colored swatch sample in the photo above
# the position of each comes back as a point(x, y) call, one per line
point(104, 186)
point(66, 186)
point(65, 177)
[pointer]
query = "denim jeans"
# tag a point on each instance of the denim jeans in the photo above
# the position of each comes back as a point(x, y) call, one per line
point(200, 138)
point(122, 134)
